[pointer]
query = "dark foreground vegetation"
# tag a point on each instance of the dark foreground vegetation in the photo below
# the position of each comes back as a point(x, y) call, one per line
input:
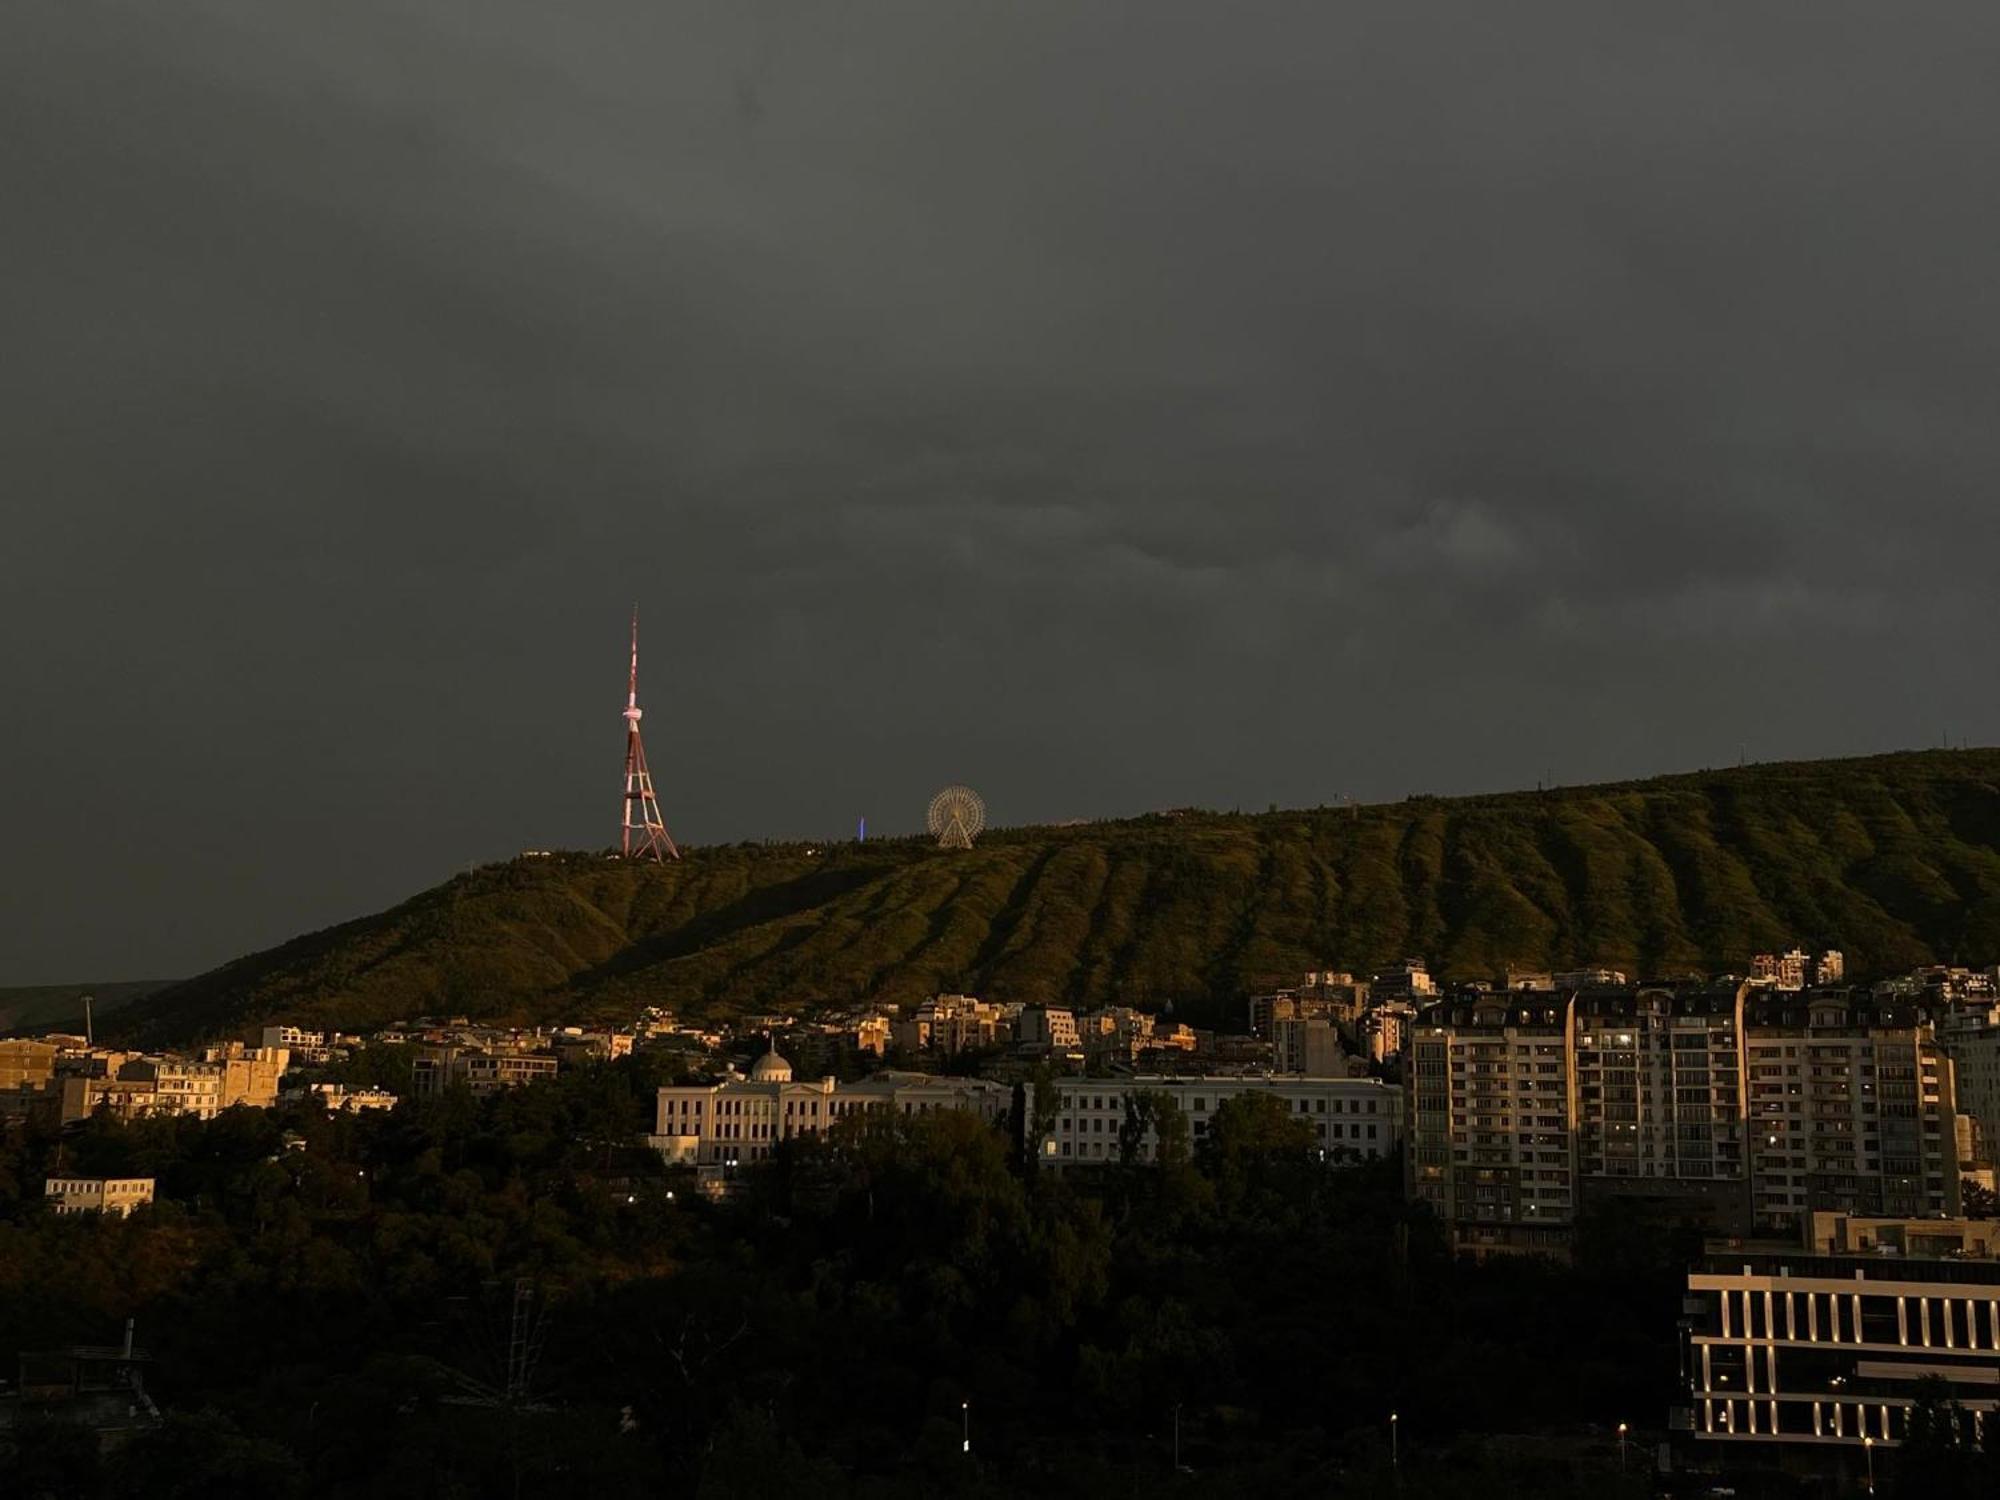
point(1895, 860)
point(333, 1317)
point(328, 1304)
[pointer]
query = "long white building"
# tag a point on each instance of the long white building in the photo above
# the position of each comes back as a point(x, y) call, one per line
point(1354, 1116)
point(718, 1126)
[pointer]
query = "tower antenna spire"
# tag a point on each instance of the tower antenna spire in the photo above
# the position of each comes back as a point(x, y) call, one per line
point(644, 832)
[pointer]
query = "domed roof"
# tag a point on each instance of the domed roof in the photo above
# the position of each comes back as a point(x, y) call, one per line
point(771, 1068)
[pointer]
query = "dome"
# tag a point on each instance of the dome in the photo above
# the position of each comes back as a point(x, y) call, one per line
point(771, 1068)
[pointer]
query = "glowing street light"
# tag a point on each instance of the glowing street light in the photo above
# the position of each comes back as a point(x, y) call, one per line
point(965, 1414)
point(1868, 1447)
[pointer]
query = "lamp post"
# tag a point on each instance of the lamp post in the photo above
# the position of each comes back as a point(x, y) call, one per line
point(1623, 1430)
point(1395, 1449)
point(965, 1417)
point(1868, 1447)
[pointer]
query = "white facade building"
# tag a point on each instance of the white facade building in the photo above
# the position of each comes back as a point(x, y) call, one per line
point(716, 1126)
point(1358, 1116)
point(117, 1196)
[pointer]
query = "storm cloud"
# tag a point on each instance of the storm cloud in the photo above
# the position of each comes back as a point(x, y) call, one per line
point(1114, 406)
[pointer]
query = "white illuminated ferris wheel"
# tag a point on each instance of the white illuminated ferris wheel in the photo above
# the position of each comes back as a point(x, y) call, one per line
point(956, 816)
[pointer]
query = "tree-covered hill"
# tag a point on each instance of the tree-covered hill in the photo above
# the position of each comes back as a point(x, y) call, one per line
point(1895, 859)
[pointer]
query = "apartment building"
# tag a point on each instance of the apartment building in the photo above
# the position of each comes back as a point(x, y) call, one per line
point(480, 1069)
point(953, 1023)
point(1740, 1107)
point(1850, 1105)
point(1822, 1343)
point(1048, 1026)
point(134, 1086)
point(1309, 1045)
point(26, 1064)
point(1659, 1100)
point(1975, 1065)
point(1360, 1117)
point(116, 1196)
point(1385, 1030)
point(717, 1127)
point(1325, 994)
point(1492, 1149)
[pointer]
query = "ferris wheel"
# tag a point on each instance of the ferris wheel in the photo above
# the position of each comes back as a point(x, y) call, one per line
point(956, 816)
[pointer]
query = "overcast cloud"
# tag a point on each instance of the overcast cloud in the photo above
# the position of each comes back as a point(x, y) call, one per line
point(1112, 406)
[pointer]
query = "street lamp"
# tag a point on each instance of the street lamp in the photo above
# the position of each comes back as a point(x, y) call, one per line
point(1395, 1449)
point(965, 1415)
point(1623, 1429)
point(1868, 1447)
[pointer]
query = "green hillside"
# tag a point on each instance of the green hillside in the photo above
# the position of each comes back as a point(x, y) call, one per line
point(50, 1007)
point(1895, 859)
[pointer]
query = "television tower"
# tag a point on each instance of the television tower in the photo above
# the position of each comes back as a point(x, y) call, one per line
point(645, 831)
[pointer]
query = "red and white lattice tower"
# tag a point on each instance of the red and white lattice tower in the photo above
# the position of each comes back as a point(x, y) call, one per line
point(645, 831)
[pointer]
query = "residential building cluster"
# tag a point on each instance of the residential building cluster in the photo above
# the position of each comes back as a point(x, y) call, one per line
point(1745, 1103)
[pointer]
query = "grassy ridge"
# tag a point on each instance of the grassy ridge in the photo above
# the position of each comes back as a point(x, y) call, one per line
point(1895, 859)
point(48, 1007)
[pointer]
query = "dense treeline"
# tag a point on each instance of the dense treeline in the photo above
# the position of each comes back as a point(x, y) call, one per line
point(323, 1296)
point(1894, 859)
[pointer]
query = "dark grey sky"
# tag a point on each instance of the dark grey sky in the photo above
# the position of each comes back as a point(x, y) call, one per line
point(1113, 406)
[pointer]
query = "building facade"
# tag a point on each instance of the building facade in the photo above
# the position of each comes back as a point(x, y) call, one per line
point(480, 1069)
point(1825, 1346)
point(116, 1196)
point(718, 1127)
point(1360, 1117)
point(1491, 1145)
point(1851, 1107)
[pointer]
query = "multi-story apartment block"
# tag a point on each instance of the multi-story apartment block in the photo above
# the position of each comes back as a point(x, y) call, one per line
point(1748, 1106)
point(1850, 1107)
point(952, 1023)
point(1825, 1345)
point(1975, 1064)
point(717, 1127)
point(1492, 1148)
point(313, 1047)
point(1308, 1044)
point(1385, 1030)
point(1659, 1098)
point(1361, 1117)
point(1408, 980)
point(435, 1069)
point(1786, 971)
point(26, 1064)
point(1326, 994)
point(116, 1196)
point(1048, 1026)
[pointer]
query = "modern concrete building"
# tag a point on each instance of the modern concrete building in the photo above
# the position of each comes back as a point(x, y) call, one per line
point(717, 1127)
point(116, 1196)
point(1309, 1045)
point(1492, 1144)
point(1048, 1026)
point(1739, 1108)
point(1975, 1063)
point(1850, 1106)
point(1361, 1117)
point(1659, 1100)
point(1793, 1347)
